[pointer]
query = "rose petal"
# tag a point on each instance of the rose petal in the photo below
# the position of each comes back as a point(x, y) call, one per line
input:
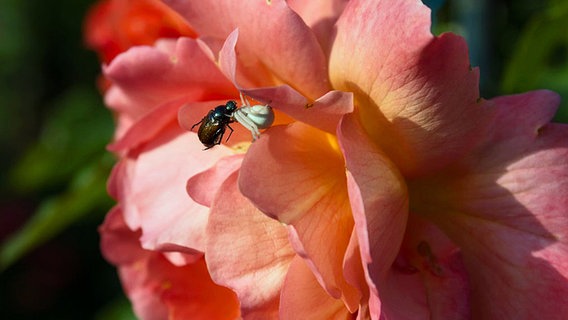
point(355, 276)
point(417, 94)
point(119, 244)
point(115, 186)
point(369, 305)
point(193, 295)
point(203, 187)
point(378, 198)
point(158, 289)
point(506, 207)
point(303, 297)
point(247, 251)
point(153, 191)
point(428, 280)
point(323, 113)
point(268, 43)
point(296, 174)
point(320, 16)
point(146, 127)
point(148, 76)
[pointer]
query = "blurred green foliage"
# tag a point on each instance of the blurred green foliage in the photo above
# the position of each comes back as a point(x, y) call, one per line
point(54, 126)
point(76, 131)
point(53, 132)
point(540, 57)
point(85, 192)
point(72, 131)
point(119, 309)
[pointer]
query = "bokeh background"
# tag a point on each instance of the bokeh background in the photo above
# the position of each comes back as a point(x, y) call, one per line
point(54, 128)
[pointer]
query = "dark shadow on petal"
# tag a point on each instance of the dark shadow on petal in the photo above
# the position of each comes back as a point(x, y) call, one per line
point(505, 205)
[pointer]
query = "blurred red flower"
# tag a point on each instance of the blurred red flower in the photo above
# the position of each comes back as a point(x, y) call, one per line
point(113, 26)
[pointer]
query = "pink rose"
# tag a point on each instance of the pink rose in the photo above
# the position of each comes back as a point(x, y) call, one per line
point(387, 188)
point(159, 289)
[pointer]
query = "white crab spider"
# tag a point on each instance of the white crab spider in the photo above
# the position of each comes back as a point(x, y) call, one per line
point(254, 117)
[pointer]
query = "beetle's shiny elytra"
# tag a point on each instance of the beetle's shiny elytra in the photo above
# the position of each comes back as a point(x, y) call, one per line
point(214, 124)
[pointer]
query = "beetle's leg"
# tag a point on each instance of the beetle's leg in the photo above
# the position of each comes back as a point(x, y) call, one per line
point(230, 133)
point(195, 125)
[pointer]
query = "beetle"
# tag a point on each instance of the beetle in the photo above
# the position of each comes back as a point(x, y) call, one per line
point(214, 124)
